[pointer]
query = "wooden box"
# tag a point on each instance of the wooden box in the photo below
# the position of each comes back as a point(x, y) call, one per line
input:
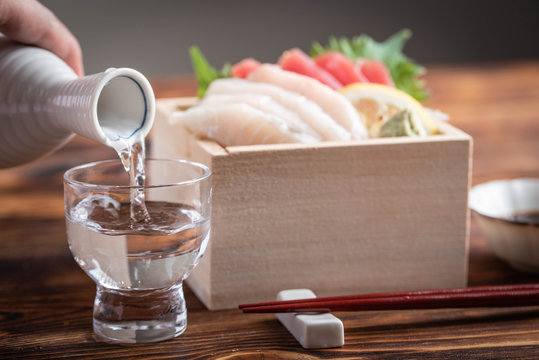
point(337, 218)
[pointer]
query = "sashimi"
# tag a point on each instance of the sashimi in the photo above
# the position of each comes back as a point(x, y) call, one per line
point(238, 124)
point(341, 67)
point(374, 71)
point(244, 68)
point(333, 103)
point(308, 111)
point(297, 61)
point(265, 104)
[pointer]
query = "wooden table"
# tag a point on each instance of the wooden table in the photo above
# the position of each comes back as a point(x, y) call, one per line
point(46, 300)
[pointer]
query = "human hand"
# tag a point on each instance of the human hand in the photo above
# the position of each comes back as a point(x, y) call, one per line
point(29, 22)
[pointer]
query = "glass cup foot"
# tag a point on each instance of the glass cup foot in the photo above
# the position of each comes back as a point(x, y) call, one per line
point(139, 316)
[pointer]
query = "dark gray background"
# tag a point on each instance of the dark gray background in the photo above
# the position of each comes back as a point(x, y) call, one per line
point(153, 36)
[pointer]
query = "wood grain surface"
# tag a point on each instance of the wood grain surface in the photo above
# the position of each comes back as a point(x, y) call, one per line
point(46, 300)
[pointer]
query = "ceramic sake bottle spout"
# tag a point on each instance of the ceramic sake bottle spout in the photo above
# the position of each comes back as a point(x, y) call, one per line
point(43, 103)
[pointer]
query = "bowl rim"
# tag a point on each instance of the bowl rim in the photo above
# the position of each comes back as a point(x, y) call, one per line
point(502, 182)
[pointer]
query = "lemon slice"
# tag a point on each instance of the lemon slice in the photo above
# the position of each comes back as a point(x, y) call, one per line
point(378, 103)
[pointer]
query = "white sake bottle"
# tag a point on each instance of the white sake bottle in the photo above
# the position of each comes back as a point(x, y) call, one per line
point(43, 103)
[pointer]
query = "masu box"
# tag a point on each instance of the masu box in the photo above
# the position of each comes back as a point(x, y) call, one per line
point(335, 217)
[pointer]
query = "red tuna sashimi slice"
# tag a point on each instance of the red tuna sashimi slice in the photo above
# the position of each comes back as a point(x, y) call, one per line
point(297, 61)
point(244, 68)
point(341, 67)
point(374, 71)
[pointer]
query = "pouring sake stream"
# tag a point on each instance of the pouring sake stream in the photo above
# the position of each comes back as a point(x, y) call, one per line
point(43, 103)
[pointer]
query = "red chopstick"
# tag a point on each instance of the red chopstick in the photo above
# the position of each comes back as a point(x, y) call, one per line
point(481, 296)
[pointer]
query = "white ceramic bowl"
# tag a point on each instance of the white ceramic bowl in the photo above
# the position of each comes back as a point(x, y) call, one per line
point(514, 239)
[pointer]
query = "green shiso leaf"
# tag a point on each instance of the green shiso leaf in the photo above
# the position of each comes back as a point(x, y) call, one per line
point(205, 73)
point(404, 71)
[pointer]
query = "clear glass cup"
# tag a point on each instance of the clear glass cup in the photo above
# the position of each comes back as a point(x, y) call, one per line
point(138, 266)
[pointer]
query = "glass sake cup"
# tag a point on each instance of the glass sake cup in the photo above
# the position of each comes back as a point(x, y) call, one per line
point(138, 266)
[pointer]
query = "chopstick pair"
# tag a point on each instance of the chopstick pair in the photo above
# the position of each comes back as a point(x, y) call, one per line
point(479, 296)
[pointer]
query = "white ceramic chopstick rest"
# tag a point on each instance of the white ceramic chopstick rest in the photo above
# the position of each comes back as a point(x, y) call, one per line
point(312, 331)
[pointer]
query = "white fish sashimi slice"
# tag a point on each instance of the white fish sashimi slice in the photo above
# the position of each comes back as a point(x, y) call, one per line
point(238, 124)
point(308, 111)
point(333, 103)
point(265, 104)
